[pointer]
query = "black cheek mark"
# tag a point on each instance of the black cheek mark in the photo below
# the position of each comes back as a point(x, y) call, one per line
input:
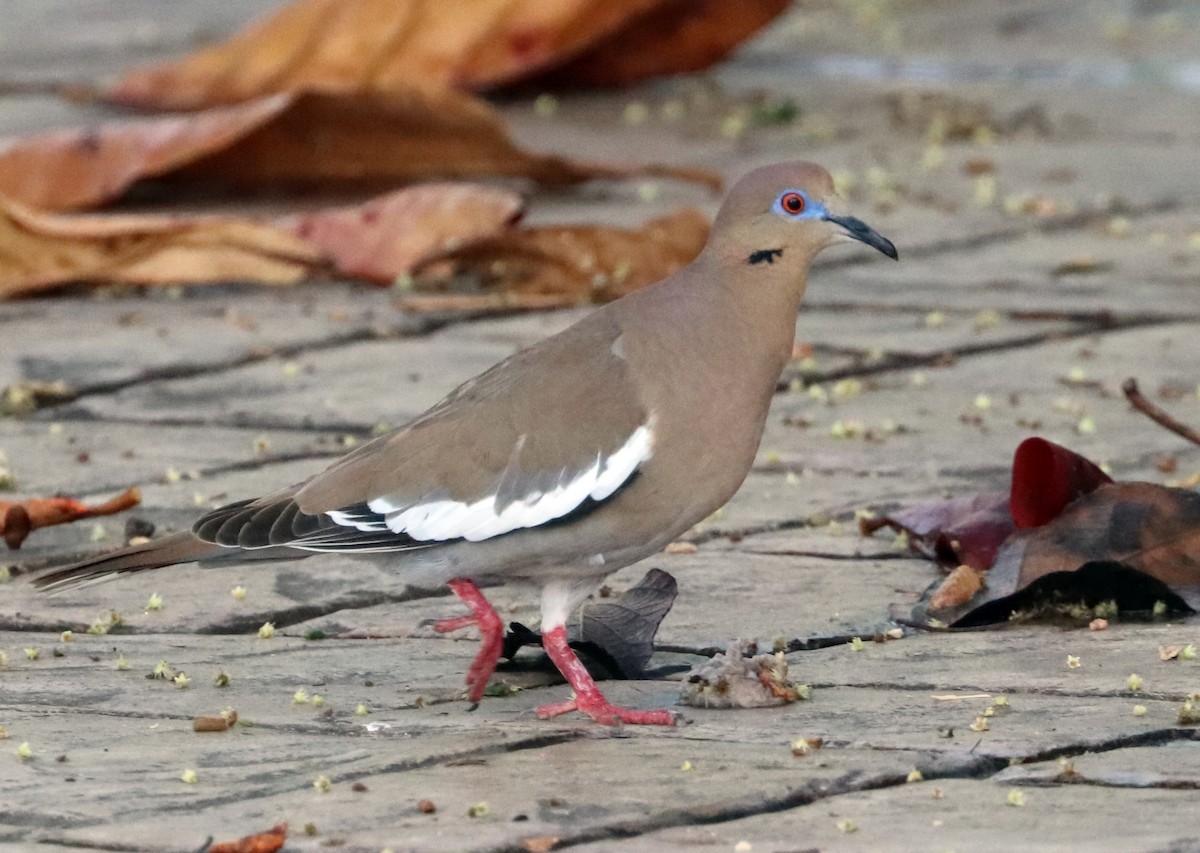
point(764, 256)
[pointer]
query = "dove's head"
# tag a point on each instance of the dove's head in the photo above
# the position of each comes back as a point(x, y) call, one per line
point(784, 215)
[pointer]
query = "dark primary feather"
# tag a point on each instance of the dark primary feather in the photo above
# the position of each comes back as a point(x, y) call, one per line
point(166, 551)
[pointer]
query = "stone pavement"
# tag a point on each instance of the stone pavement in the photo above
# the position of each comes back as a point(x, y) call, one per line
point(1044, 261)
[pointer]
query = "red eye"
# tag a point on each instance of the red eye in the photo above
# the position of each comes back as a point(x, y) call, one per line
point(793, 203)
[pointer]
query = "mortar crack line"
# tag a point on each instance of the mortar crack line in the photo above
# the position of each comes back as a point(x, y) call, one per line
point(710, 813)
point(904, 360)
point(423, 326)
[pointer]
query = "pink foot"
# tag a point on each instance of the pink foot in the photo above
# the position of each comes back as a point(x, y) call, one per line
point(490, 627)
point(588, 697)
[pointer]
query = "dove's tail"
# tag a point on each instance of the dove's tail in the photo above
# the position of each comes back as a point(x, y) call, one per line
point(166, 551)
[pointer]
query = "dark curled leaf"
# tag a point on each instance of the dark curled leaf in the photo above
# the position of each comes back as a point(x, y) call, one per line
point(1092, 584)
point(614, 638)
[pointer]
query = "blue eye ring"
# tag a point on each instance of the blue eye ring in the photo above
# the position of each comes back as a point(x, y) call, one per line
point(795, 204)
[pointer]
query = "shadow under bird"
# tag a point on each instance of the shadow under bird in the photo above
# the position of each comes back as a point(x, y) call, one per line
point(588, 451)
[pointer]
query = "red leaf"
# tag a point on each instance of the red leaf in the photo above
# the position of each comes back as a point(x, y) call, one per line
point(1047, 477)
point(966, 530)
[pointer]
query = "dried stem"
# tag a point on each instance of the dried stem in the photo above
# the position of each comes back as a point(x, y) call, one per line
point(1156, 414)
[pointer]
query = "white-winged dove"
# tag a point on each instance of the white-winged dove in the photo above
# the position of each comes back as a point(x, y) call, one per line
point(580, 455)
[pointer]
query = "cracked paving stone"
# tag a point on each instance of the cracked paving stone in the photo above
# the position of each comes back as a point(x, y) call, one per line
point(963, 815)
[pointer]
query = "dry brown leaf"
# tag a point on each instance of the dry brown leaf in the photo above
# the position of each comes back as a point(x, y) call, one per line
point(958, 587)
point(42, 250)
point(19, 519)
point(215, 722)
point(540, 843)
point(387, 236)
point(674, 37)
point(378, 241)
point(300, 140)
point(261, 842)
point(382, 46)
point(1169, 652)
point(577, 264)
point(1150, 528)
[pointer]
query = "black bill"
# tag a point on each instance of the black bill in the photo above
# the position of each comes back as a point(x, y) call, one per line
point(863, 232)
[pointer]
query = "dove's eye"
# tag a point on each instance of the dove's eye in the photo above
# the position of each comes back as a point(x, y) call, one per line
point(792, 202)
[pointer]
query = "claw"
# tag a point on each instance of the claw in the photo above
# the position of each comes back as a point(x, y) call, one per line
point(609, 714)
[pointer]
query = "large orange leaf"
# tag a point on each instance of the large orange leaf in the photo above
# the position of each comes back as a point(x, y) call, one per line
point(569, 265)
point(376, 241)
point(384, 45)
point(292, 140)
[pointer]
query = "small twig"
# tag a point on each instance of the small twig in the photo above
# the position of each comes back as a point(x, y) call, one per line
point(1156, 414)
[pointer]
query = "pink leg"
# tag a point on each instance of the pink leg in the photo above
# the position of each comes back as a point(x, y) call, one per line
point(490, 627)
point(588, 697)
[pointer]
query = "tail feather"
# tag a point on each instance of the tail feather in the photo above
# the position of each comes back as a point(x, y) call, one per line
point(167, 551)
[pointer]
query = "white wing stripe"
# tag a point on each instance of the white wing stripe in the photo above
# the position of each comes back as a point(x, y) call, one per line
point(440, 520)
point(346, 519)
point(620, 466)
